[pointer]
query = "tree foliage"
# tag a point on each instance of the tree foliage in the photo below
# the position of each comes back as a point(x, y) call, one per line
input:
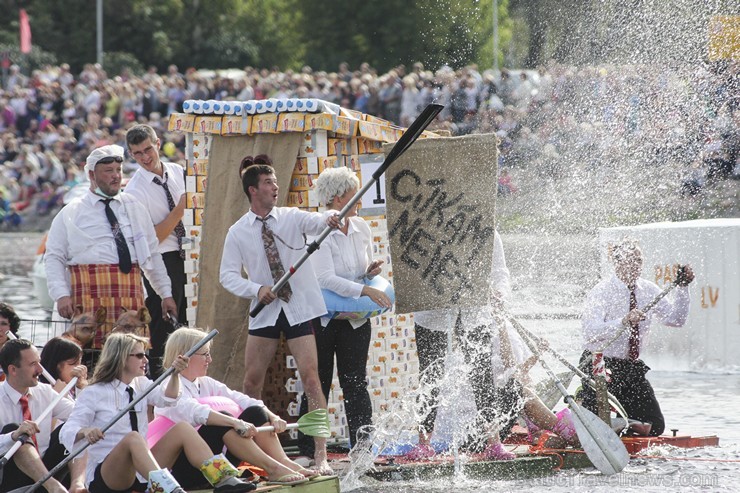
point(263, 33)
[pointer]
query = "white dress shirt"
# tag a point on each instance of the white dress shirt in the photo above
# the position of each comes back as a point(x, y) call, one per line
point(97, 405)
point(188, 409)
point(444, 319)
point(609, 302)
point(81, 234)
point(154, 198)
point(245, 251)
point(342, 261)
point(520, 354)
point(40, 398)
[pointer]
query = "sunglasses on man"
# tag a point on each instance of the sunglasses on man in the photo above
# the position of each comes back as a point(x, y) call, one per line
point(109, 160)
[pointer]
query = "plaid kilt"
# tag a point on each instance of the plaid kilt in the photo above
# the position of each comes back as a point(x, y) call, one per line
point(96, 285)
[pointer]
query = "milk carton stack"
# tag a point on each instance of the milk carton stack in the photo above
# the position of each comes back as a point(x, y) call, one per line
point(195, 188)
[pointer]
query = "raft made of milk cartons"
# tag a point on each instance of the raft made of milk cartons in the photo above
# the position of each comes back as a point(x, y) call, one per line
point(330, 136)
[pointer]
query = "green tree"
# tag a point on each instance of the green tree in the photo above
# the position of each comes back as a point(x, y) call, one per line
point(435, 32)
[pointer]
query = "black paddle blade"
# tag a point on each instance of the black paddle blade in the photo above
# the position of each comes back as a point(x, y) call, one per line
point(409, 136)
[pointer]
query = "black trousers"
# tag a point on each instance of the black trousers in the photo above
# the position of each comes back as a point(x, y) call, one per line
point(190, 477)
point(160, 328)
point(13, 478)
point(630, 387)
point(351, 347)
point(475, 344)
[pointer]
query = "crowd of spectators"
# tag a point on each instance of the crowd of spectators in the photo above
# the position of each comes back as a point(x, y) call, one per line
point(547, 120)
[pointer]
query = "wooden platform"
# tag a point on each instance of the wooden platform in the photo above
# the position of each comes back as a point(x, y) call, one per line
point(319, 485)
point(523, 467)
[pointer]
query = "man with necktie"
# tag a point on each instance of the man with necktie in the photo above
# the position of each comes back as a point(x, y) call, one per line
point(22, 400)
point(265, 242)
point(160, 187)
point(613, 307)
point(98, 246)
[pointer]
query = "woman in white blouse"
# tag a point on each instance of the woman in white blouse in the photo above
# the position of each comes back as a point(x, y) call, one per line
point(119, 459)
point(343, 261)
point(219, 429)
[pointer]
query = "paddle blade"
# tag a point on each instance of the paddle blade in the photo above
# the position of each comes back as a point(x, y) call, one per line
point(315, 424)
point(549, 393)
point(409, 136)
point(602, 446)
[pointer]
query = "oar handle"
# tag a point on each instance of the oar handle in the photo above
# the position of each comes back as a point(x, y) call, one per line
point(291, 426)
point(81, 448)
point(409, 137)
point(24, 438)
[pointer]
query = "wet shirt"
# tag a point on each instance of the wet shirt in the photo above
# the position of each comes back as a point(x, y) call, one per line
point(609, 302)
point(443, 320)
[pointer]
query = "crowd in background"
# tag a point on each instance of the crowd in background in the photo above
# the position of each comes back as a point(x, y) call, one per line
point(547, 120)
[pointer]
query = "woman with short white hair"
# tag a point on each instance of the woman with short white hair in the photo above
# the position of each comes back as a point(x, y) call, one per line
point(343, 261)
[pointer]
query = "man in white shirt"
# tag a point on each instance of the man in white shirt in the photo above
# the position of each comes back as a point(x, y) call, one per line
point(99, 244)
point(292, 311)
point(22, 398)
point(160, 187)
point(474, 330)
point(613, 324)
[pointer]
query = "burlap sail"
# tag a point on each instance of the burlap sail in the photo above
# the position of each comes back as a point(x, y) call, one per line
point(441, 197)
point(225, 204)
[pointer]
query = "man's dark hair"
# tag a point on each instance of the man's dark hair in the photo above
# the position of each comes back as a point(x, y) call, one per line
point(139, 133)
point(8, 312)
point(250, 170)
point(10, 353)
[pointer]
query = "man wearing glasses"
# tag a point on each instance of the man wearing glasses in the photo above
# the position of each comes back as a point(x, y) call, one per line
point(99, 245)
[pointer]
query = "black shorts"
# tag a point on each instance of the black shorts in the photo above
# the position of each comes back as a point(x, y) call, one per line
point(98, 485)
point(282, 326)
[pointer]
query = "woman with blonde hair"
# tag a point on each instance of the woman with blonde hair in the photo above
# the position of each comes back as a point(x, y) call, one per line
point(119, 459)
point(344, 260)
point(218, 429)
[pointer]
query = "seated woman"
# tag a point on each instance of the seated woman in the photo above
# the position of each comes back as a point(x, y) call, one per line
point(218, 429)
point(63, 360)
point(119, 459)
point(343, 261)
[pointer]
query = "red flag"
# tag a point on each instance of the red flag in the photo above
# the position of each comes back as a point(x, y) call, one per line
point(25, 33)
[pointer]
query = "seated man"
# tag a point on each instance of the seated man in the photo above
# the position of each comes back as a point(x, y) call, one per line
point(21, 398)
point(613, 324)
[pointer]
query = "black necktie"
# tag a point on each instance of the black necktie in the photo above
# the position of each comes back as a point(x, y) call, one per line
point(132, 412)
point(124, 256)
point(634, 340)
point(179, 228)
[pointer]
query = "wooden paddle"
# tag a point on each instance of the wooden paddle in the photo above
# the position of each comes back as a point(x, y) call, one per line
point(547, 390)
point(409, 137)
point(314, 424)
point(602, 446)
point(123, 412)
point(25, 438)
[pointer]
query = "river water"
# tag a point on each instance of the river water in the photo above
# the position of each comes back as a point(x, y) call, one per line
point(694, 403)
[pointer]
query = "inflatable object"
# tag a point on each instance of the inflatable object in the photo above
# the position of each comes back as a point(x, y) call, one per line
point(341, 308)
point(161, 425)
